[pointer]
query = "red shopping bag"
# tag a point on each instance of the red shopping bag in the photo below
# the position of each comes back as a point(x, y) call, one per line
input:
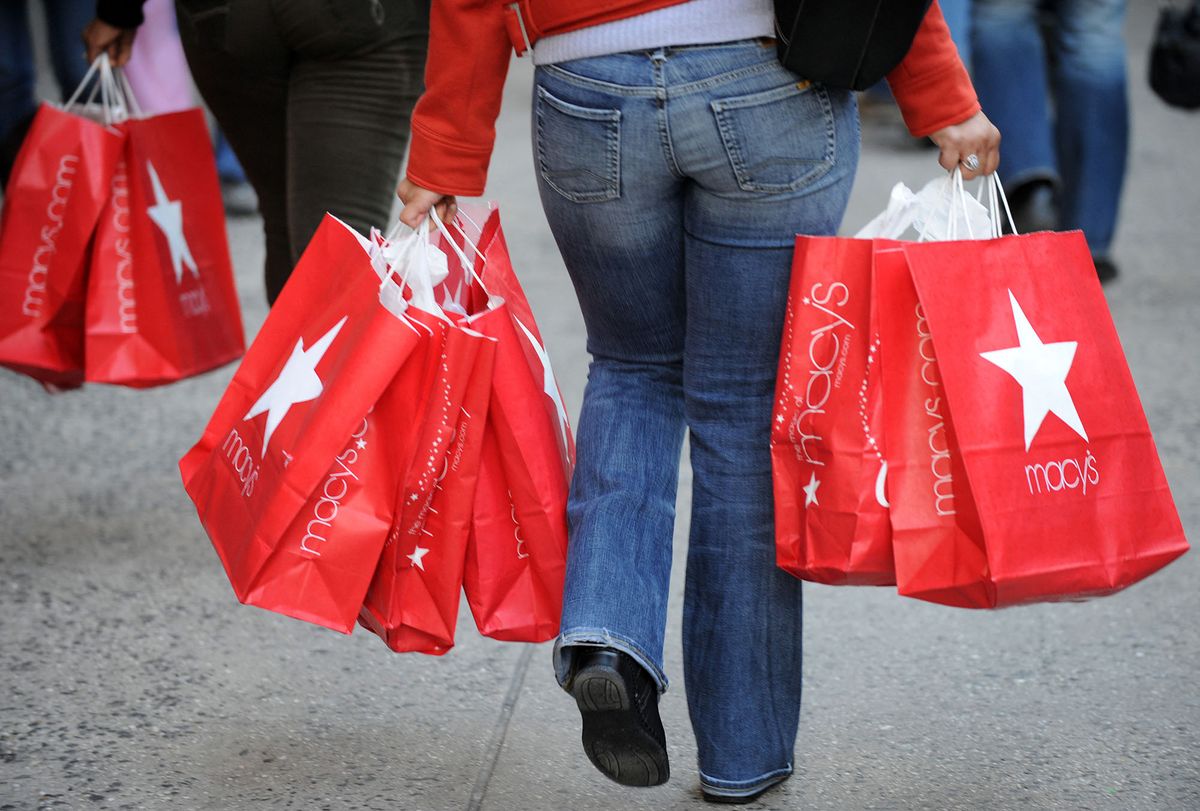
point(162, 304)
point(323, 562)
point(1046, 485)
point(516, 555)
point(327, 353)
point(827, 464)
point(499, 280)
point(59, 184)
point(937, 540)
point(413, 600)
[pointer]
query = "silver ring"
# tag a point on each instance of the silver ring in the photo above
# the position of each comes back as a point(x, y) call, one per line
point(971, 162)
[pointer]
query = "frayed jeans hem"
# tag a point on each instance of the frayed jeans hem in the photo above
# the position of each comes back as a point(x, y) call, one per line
point(601, 638)
point(743, 788)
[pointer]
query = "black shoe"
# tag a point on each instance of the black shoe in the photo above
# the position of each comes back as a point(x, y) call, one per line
point(622, 733)
point(1105, 269)
point(239, 198)
point(731, 797)
point(1034, 207)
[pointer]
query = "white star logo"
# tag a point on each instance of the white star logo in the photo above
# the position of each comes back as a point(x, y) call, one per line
point(167, 214)
point(360, 444)
point(549, 385)
point(1041, 370)
point(297, 383)
point(810, 490)
point(417, 556)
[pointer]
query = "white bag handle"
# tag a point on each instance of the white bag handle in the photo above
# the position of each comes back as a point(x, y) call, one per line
point(100, 77)
point(996, 197)
point(87, 77)
point(467, 264)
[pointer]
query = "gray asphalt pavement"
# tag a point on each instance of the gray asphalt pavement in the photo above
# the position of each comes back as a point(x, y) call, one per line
point(131, 678)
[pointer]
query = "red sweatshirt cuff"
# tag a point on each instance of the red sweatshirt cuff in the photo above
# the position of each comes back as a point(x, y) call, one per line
point(935, 100)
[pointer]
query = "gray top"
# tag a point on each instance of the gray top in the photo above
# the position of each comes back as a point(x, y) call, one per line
point(696, 22)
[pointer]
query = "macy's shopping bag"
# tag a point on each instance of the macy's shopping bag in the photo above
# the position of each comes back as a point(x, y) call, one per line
point(295, 437)
point(161, 302)
point(414, 597)
point(827, 439)
point(827, 464)
point(59, 184)
point(516, 556)
point(516, 552)
point(1021, 466)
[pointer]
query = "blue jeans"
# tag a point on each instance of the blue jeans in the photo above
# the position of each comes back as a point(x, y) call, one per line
point(674, 182)
point(1079, 142)
point(65, 20)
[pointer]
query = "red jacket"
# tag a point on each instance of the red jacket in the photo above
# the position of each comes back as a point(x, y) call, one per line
point(471, 42)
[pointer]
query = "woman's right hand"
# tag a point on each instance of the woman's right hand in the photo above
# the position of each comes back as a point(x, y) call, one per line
point(99, 36)
point(418, 200)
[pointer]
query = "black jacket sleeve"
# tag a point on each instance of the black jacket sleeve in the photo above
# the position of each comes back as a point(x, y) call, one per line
point(120, 13)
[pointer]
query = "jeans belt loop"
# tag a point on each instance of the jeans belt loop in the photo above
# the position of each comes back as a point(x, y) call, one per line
point(515, 12)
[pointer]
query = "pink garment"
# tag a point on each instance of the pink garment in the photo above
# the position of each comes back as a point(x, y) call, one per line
point(158, 70)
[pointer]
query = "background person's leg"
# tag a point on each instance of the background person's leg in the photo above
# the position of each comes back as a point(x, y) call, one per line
point(17, 101)
point(65, 21)
point(240, 67)
point(349, 102)
point(1093, 115)
point(1008, 60)
point(958, 20)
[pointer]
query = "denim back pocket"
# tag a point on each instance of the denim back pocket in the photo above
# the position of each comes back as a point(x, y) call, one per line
point(778, 140)
point(578, 149)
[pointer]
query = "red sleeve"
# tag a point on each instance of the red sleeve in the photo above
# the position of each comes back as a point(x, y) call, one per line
point(931, 85)
point(454, 123)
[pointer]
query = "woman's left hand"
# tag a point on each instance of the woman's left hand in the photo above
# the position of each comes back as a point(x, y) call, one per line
point(976, 136)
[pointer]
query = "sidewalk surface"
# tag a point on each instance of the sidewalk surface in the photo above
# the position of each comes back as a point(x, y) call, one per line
point(131, 678)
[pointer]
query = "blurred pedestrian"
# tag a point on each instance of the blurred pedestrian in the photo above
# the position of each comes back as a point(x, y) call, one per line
point(162, 82)
point(677, 159)
point(1051, 73)
point(63, 20)
point(314, 97)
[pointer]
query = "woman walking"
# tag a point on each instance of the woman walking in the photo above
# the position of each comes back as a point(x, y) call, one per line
point(677, 160)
